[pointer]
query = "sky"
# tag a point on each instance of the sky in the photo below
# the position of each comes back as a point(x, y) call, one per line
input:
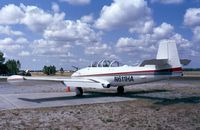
point(78, 32)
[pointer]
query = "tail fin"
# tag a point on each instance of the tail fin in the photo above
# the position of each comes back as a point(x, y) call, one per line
point(169, 51)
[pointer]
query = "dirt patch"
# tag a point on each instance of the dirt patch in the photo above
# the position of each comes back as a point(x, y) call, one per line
point(140, 114)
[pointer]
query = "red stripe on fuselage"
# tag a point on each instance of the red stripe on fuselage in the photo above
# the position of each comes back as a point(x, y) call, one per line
point(179, 69)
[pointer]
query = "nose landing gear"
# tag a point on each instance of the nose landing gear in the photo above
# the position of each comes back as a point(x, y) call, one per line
point(79, 91)
point(120, 90)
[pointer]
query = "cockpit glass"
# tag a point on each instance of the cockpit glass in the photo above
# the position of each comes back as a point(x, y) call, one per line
point(106, 63)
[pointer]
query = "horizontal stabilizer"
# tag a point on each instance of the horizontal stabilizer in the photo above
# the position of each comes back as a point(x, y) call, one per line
point(185, 61)
point(157, 62)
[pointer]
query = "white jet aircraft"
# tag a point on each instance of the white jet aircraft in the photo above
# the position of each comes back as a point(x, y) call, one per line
point(106, 74)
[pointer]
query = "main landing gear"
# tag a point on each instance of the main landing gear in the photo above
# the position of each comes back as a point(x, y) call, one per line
point(79, 91)
point(120, 90)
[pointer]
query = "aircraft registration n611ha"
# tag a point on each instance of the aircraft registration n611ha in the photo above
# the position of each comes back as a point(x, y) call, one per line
point(107, 74)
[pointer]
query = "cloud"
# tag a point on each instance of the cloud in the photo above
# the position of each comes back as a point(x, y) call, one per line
point(71, 31)
point(24, 53)
point(163, 31)
point(87, 18)
point(192, 17)
point(21, 40)
point(10, 14)
point(97, 48)
point(196, 33)
point(55, 7)
point(35, 18)
point(77, 2)
point(58, 37)
point(49, 48)
point(168, 1)
point(9, 45)
point(6, 41)
point(8, 31)
point(53, 26)
point(147, 43)
point(192, 20)
point(131, 45)
point(134, 14)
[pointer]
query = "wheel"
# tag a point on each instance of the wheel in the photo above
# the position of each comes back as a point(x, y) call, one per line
point(79, 91)
point(120, 89)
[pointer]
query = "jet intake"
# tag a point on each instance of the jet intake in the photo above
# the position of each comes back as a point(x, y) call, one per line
point(106, 85)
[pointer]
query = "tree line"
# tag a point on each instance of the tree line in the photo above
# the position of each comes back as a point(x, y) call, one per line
point(9, 67)
point(12, 67)
point(51, 70)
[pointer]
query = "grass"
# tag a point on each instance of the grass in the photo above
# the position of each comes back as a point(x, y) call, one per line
point(66, 74)
point(191, 73)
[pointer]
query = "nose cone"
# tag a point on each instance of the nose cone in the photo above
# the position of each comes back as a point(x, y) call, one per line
point(75, 74)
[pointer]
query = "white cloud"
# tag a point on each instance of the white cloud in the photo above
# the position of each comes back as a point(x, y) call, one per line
point(163, 31)
point(87, 18)
point(8, 31)
point(192, 17)
point(50, 48)
point(35, 18)
point(71, 31)
point(134, 14)
point(24, 53)
point(55, 7)
point(128, 44)
point(58, 34)
point(147, 43)
point(6, 41)
point(181, 42)
point(192, 20)
point(21, 40)
point(196, 34)
point(8, 44)
point(168, 1)
point(77, 2)
point(97, 48)
point(10, 14)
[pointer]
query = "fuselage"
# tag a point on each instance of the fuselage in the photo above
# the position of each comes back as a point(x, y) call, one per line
point(127, 75)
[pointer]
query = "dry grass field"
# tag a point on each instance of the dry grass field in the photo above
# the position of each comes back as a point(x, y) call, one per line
point(67, 74)
point(191, 73)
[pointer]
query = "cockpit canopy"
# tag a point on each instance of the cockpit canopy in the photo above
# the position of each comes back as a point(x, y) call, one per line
point(106, 63)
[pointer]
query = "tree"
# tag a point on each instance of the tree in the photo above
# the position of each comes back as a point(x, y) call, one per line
point(3, 67)
point(2, 59)
point(49, 70)
point(61, 70)
point(13, 66)
point(18, 64)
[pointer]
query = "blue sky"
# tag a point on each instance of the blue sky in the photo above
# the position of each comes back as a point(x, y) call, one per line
point(77, 32)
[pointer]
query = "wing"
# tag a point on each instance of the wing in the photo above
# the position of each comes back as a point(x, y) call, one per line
point(157, 62)
point(69, 82)
point(185, 61)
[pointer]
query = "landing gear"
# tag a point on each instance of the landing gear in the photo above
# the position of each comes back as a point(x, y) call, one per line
point(79, 91)
point(120, 90)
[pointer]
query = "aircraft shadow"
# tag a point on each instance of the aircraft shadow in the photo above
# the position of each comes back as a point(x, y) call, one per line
point(90, 94)
point(137, 94)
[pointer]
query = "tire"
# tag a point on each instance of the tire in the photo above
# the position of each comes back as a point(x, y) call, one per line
point(79, 92)
point(120, 90)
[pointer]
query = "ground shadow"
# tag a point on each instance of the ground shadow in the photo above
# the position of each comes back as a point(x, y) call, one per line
point(92, 94)
point(136, 94)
